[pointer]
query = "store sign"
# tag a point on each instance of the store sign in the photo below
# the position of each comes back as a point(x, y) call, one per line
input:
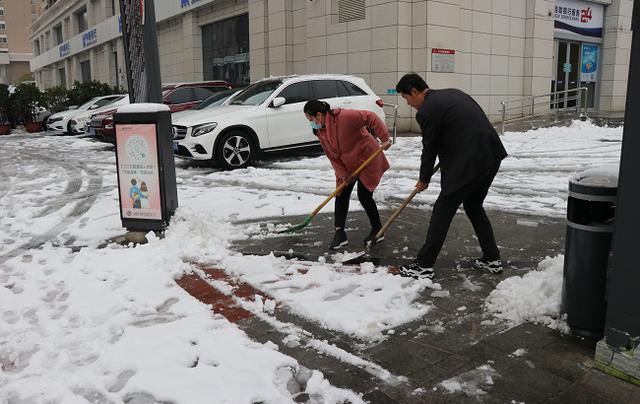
point(443, 60)
point(589, 65)
point(89, 38)
point(187, 3)
point(579, 17)
point(65, 49)
point(138, 171)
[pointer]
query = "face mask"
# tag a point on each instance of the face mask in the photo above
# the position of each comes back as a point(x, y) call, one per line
point(315, 125)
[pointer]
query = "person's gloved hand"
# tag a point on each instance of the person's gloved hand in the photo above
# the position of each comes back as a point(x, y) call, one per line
point(421, 186)
point(386, 145)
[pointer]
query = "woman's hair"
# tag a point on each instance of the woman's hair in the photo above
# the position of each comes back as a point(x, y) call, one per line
point(143, 186)
point(314, 106)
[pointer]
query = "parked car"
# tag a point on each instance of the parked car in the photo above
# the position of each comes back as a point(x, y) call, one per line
point(78, 123)
point(61, 120)
point(216, 100)
point(266, 116)
point(181, 96)
point(173, 95)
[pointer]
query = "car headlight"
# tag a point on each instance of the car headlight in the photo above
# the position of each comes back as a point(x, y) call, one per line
point(203, 129)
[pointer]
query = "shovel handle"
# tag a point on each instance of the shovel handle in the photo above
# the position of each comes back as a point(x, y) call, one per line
point(344, 183)
point(399, 210)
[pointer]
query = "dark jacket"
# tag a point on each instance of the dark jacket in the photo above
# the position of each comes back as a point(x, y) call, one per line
point(457, 131)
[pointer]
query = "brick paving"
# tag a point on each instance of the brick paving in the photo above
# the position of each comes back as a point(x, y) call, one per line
point(460, 347)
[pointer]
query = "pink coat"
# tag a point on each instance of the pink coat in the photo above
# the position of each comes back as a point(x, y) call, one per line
point(347, 142)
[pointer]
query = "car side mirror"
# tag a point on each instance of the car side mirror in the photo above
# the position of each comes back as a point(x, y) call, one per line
point(278, 102)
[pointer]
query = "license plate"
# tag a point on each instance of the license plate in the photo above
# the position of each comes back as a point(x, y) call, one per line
point(175, 146)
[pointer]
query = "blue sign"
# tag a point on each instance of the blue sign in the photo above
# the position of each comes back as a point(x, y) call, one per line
point(589, 62)
point(187, 3)
point(566, 68)
point(391, 91)
point(89, 38)
point(65, 49)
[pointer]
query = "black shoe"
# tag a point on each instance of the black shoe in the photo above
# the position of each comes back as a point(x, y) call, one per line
point(416, 271)
point(368, 240)
point(494, 267)
point(339, 240)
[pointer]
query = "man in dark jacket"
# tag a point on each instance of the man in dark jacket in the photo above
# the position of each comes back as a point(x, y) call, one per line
point(457, 131)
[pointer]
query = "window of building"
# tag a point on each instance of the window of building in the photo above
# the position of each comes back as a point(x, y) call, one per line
point(36, 47)
point(85, 71)
point(115, 77)
point(225, 50)
point(57, 34)
point(3, 39)
point(3, 26)
point(62, 77)
point(81, 19)
point(110, 7)
point(1, 10)
point(350, 10)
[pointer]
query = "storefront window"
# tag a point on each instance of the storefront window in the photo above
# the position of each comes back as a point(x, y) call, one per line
point(225, 47)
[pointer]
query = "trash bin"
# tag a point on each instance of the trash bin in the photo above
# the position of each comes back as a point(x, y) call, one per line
point(591, 215)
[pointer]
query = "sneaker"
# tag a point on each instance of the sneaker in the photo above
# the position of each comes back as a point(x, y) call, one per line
point(494, 267)
point(416, 271)
point(369, 238)
point(339, 240)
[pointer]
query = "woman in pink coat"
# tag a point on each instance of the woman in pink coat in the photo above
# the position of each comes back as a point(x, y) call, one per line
point(346, 139)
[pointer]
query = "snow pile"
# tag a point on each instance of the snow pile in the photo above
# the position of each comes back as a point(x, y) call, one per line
point(534, 297)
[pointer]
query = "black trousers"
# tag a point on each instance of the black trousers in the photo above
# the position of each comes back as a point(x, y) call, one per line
point(471, 196)
point(366, 200)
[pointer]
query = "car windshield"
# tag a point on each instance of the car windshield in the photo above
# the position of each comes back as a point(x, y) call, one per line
point(87, 104)
point(216, 99)
point(257, 93)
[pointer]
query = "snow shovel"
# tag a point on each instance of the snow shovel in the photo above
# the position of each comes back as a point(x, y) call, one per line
point(340, 187)
point(358, 258)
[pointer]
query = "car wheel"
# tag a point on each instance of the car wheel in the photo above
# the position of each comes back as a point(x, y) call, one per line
point(235, 150)
point(69, 132)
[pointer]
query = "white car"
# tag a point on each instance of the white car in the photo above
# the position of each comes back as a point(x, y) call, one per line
point(61, 121)
point(78, 123)
point(266, 116)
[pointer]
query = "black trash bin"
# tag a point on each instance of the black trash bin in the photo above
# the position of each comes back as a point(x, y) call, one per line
point(591, 215)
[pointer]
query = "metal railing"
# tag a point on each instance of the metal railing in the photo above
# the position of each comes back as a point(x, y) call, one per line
point(557, 101)
point(393, 129)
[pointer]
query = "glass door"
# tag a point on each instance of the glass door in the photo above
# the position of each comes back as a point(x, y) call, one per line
point(566, 73)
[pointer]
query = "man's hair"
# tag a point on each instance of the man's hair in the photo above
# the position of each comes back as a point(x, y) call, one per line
point(411, 81)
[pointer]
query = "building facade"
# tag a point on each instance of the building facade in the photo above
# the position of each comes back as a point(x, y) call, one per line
point(496, 50)
point(15, 49)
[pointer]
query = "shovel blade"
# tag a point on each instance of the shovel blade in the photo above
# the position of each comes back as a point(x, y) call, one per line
point(297, 227)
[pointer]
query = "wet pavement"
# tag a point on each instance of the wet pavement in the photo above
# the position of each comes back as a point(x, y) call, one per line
point(448, 343)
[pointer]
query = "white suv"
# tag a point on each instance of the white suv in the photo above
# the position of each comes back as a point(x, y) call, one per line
point(266, 116)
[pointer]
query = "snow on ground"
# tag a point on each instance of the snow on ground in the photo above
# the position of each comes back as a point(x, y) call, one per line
point(534, 296)
point(472, 382)
point(112, 323)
